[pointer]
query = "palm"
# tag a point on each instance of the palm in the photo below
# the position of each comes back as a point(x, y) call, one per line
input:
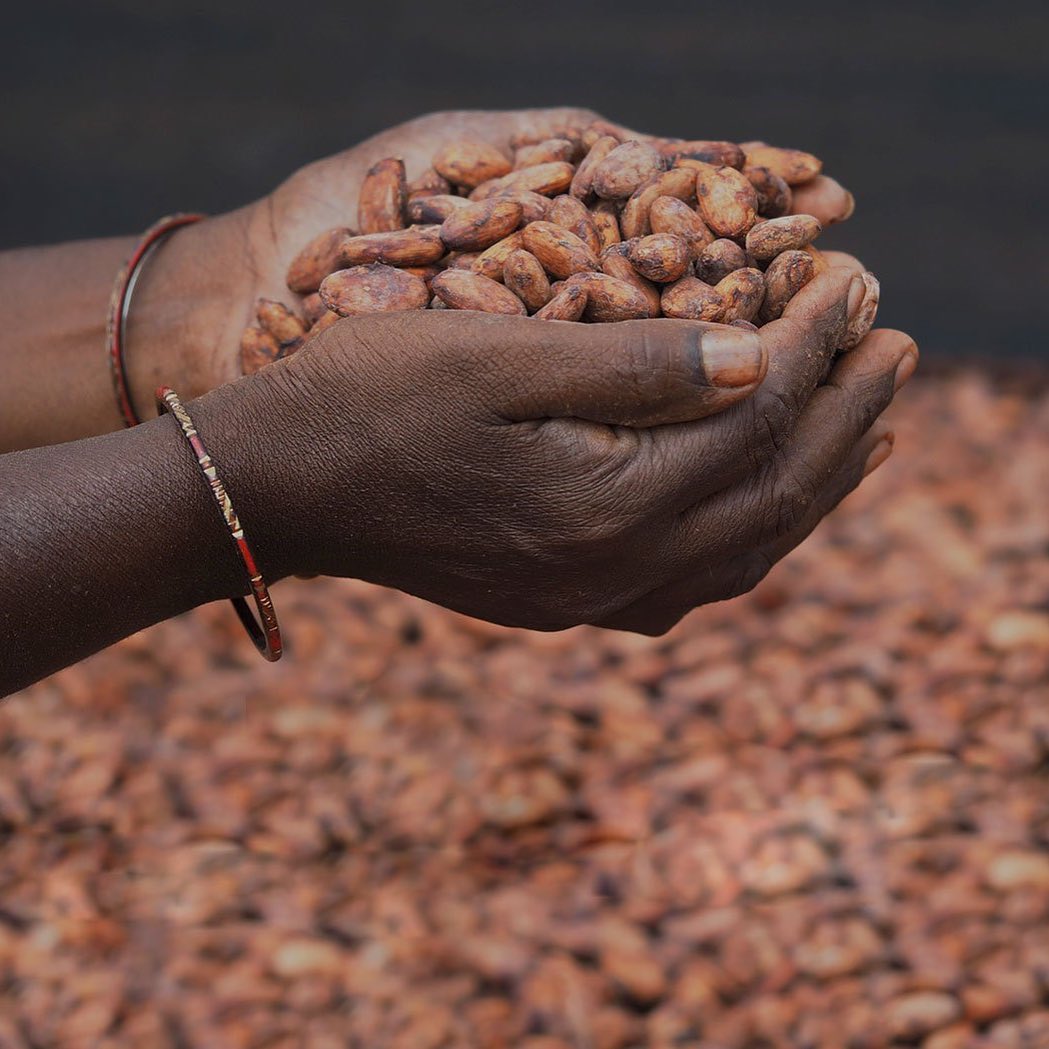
point(324, 194)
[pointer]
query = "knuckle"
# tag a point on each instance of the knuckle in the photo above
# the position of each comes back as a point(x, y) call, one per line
point(645, 358)
point(773, 416)
point(598, 499)
point(636, 356)
point(871, 400)
point(783, 498)
point(795, 497)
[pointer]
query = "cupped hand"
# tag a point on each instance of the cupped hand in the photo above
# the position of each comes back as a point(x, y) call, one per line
point(242, 256)
point(612, 474)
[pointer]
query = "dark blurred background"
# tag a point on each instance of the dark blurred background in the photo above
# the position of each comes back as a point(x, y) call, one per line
point(935, 115)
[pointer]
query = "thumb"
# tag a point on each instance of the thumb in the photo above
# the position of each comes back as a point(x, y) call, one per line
point(633, 373)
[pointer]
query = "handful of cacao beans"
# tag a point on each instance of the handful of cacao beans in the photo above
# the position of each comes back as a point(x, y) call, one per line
point(590, 226)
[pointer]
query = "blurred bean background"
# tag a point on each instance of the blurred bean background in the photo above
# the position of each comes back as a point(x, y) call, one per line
point(934, 114)
point(817, 816)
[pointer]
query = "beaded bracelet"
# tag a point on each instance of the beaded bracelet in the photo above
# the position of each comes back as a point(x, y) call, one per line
point(267, 637)
point(120, 300)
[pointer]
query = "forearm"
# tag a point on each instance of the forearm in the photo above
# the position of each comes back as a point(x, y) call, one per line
point(55, 382)
point(104, 536)
point(53, 303)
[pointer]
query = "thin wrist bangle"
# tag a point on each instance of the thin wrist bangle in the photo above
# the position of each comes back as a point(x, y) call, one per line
point(119, 302)
point(265, 633)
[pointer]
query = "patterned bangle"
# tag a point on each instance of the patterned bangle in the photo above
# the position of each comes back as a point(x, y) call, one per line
point(120, 300)
point(266, 637)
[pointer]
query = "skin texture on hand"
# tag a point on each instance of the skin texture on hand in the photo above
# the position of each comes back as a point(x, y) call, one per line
point(617, 474)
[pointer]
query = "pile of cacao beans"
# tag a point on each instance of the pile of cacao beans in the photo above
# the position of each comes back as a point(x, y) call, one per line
point(817, 816)
point(592, 226)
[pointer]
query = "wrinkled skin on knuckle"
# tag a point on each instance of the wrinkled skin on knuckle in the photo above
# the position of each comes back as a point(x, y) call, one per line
point(871, 398)
point(645, 365)
point(617, 488)
point(795, 495)
point(771, 417)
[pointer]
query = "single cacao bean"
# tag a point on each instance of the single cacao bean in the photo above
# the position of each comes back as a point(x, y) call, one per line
point(470, 291)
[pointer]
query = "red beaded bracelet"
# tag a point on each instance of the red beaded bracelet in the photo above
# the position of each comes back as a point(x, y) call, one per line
point(266, 637)
point(116, 320)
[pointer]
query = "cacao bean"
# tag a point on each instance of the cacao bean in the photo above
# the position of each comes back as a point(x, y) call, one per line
point(382, 198)
point(791, 165)
point(322, 323)
point(415, 246)
point(768, 238)
point(320, 257)
point(775, 197)
point(626, 168)
point(671, 215)
point(373, 288)
point(470, 163)
point(727, 200)
point(787, 274)
point(677, 182)
point(743, 291)
point(312, 308)
point(615, 262)
point(718, 153)
point(433, 210)
point(567, 305)
point(545, 179)
point(582, 183)
point(560, 252)
point(660, 257)
point(527, 279)
point(480, 225)
point(460, 290)
point(428, 184)
point(609, 299)
point(692, 299)
point(570, 213)
point(550, 149)
point(598, 130)
point(534, 206)
point(604, 217)
point(257, 349)
point(718, 259)
point(279, 321)
point(490, 262)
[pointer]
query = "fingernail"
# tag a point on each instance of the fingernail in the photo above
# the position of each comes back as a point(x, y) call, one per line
point(857, 289)
point(850, 207)
point(904, 370)
point(881, 451)
point(732, 357)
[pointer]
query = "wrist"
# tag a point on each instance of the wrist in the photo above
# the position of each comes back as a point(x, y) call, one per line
point(258, 468)
point(184, 319)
